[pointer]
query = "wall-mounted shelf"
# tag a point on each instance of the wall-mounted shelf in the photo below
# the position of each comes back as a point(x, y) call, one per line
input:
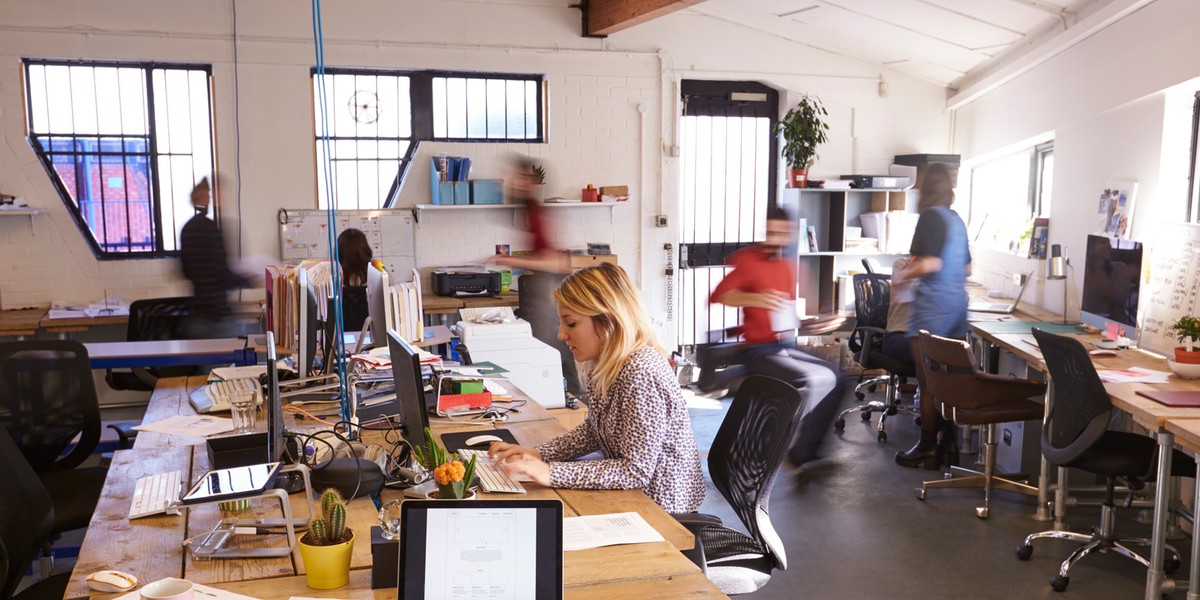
point(420, 208)
point(22, 212)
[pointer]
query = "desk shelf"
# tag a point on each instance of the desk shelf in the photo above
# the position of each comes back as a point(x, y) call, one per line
point(420, 208)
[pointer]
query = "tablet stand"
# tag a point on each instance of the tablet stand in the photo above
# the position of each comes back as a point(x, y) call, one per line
point(211, 545)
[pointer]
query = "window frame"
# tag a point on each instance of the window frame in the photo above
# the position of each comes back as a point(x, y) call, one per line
point(1035, 204)
point(152, 154)
point(1193, 199)
point(422, 110)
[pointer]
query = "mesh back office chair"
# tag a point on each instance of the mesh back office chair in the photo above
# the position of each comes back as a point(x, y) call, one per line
point(26, 519)
point(968, 396)
point(150, 319)
point(48, 404)
point(1076, 435)
point(872, 298)
point(743, 461)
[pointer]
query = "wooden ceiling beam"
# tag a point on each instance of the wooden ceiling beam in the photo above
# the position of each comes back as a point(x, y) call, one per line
point(604, 17)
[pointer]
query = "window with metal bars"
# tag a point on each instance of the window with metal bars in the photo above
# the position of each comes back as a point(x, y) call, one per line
point(377, 118)
point(124, 144)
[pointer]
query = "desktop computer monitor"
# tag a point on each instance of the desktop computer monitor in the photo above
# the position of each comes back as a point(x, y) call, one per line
point(379, 303)
point(1112, 275)
point(306, 349)
point(274, 405)
point(411, 408)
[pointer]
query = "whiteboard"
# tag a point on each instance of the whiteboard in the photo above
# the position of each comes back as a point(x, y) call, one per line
point(304, 234)
point(1173, 286)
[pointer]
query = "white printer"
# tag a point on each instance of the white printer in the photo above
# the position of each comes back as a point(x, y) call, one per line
point(532, 365)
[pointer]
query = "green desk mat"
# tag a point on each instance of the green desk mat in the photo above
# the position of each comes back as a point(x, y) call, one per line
point(1026, 326)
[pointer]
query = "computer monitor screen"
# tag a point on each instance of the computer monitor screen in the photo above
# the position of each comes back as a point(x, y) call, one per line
point(378, 303)
point(274, 405)
point(1112, 274)
point(410, 393)
point(306, 351)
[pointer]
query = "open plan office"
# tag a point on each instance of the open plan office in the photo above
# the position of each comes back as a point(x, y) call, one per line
point(469, 140)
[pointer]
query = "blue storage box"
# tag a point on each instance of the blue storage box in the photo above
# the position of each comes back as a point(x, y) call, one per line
point(462, 192)
point(487, 191)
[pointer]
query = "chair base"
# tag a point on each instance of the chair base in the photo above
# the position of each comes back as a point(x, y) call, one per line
point(887, 407)
point(988, 480)
point(869, 384)
point(1101, 539)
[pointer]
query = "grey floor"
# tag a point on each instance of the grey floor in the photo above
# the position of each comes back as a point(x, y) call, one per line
point(853, 528)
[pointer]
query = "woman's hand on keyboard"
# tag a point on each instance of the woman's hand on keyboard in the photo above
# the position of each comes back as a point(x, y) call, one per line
point(519, 460)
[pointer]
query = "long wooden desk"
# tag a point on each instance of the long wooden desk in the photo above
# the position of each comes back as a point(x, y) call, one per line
point(433, 304)
point(21, 323)
point(150, 547)
point(1160, 419)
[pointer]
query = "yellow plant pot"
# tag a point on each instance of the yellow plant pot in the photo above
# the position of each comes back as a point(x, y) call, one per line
point(327, 567)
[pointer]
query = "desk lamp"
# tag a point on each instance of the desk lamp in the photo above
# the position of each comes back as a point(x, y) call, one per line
point(1056, 270)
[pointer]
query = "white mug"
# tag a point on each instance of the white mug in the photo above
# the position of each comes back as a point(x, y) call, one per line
point(168, 589)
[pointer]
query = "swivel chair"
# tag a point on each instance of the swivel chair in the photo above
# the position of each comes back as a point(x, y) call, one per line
point(1076, 435)
point(534, 294)
point(872, 298)
point(743, 462)
point(48, 404)
point(26, 517)
point(968, 396)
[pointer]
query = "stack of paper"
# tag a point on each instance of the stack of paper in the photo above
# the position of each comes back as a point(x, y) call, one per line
point(1132, 375)
point(594, 531)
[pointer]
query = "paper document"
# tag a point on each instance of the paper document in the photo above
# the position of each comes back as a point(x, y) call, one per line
point(227, 373)
point(202, 591)
point(594, 531)
point(189, 425)
point(1132, 375)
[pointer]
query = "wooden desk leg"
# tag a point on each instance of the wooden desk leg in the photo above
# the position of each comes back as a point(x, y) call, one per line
point(1194, 572)
point(1156, 580)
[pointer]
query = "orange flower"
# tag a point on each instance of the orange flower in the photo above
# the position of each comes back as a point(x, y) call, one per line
point(449, 472)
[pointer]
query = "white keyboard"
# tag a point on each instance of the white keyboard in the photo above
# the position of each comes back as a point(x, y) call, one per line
point(215, 396)
point(491, 478)
point(154, 493)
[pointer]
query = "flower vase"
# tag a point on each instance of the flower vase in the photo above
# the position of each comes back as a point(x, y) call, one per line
point(327, 567)
point(1187, 357)
point(437, 495)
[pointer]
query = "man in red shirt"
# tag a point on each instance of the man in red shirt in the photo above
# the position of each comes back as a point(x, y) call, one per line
point(763, 284)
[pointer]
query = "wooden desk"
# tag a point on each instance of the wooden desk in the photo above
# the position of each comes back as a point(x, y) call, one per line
point(433, 304)
point(62, 327)
point(150, 547)
point(21, 323)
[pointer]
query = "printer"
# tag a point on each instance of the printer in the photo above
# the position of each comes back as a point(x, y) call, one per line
point(534, 366)
point(452, 281)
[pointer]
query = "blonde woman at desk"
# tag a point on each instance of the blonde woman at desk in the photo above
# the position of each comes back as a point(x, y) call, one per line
point(637, 418)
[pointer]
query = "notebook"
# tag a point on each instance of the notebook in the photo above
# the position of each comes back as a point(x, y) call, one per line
point(1175, 399)
point(1001, 307)
point(498, 549)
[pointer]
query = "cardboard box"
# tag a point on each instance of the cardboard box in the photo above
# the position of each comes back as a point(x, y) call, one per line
point(614, 190)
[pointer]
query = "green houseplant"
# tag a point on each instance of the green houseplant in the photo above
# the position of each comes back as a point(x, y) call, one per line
point(1187, 331)
point(452, 476)
point(802, 129)
point(537, 175)
point(328, 544)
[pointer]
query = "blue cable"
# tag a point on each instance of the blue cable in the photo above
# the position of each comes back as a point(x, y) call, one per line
point(339, 344)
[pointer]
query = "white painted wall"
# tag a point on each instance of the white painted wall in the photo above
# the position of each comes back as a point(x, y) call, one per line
point(613, 107)
point(1119, 106)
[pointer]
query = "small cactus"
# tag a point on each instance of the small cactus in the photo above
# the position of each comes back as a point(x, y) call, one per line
point(330, 527)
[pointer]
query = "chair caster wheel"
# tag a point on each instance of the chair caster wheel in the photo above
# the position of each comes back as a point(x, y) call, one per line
point(1060, 583)
point(840, 424)
point(981, 512)
point(882, 436)
point(921, 495)
point(865, 415)
point(917, 421)
point(1024, 552)
point(1170, 564)
point(859, 395)
point(871, 388)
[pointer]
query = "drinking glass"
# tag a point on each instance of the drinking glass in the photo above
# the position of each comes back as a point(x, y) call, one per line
point(389, 520)
point(243, 408)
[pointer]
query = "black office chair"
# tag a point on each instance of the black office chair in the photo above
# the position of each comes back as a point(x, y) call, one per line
point(48, 404)
point(26, 519)
point(743, 461)
point(534, 294)
point(149, 320)
point(1076, 435)
point(872, 298)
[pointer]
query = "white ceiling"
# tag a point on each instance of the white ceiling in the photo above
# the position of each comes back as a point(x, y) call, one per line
point(949, 42)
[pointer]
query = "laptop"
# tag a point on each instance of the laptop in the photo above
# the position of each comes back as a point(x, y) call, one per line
point(481, 549)
point(1003, 308)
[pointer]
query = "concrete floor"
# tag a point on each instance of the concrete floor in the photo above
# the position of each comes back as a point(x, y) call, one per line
point(853, 528)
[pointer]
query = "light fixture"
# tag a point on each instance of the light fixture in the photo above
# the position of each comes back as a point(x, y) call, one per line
point(1056, 270)
point(883, 87)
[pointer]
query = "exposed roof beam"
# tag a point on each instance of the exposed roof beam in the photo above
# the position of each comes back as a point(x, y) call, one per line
point(604, 17)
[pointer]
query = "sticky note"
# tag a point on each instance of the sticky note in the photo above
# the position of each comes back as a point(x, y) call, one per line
point(1111, 330)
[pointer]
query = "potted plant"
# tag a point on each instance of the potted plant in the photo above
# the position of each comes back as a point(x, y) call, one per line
point(452, 476)
point(537, 173)
point(328, 544)
point(1187, 331)
point(803, 128)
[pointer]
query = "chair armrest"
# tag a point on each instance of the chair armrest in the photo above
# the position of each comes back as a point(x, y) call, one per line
point(871, 337)
point(697, 521)
point(1002, 386)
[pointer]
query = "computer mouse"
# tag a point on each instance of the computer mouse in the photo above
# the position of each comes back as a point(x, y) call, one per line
point(111, 581)
point(482, 439)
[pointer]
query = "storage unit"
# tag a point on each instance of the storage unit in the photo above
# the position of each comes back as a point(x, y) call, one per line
point(828, 213)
